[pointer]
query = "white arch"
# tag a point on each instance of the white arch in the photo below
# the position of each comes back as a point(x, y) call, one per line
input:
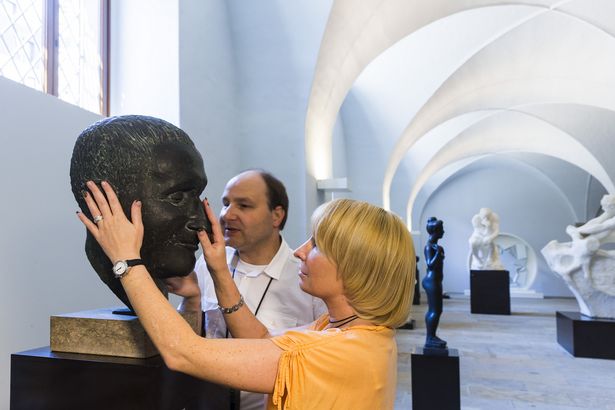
point(561, 66)
point(511, 131)
point(357, 32)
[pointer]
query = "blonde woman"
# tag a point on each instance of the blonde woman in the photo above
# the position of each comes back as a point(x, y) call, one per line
point(360, 260)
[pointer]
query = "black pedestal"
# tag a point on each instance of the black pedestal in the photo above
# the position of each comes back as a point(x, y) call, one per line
point(435, 380)
point(490, 292)
point(416, 300)
point(41, 379)
point(409, 325)
point(583, 336)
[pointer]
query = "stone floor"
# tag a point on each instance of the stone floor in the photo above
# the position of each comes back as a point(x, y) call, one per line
point(511, 362)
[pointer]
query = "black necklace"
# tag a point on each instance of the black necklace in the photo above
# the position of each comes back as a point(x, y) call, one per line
point(342, 322)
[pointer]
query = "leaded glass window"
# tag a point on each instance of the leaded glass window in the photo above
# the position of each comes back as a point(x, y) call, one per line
point(57, 46)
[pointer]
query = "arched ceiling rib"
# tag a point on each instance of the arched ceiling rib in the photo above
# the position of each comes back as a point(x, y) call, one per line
point(523, 159)
point(545, 59)
point(357, 32)
point(511, 131)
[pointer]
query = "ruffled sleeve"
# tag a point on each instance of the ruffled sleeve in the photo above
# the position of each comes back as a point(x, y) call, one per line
point(288, 360)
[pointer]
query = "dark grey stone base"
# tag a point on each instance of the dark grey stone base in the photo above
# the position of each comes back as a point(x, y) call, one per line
point(435, 379)
point(490, 292)
point(41, 379)
point(583, 336)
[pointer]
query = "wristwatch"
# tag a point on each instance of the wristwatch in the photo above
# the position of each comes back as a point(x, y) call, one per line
point(121, 268)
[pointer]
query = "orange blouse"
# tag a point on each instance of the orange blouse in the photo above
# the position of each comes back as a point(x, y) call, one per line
point(352, 368)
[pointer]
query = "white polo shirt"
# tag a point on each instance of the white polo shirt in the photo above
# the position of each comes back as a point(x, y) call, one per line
point(284, 305)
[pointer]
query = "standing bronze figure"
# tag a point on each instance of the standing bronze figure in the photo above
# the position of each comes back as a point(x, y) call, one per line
point(432, 283)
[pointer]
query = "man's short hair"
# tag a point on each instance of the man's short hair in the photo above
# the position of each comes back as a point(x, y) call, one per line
point(276, 193)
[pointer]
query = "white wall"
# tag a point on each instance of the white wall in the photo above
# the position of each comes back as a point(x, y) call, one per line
point(144, 58)
point(44, 267)
point(276, 44)
point(528, 203)
point(208, 90)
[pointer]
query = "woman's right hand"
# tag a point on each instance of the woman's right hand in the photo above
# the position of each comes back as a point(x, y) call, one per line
point(214, 247)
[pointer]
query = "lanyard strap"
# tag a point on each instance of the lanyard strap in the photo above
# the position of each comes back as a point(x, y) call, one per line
point(234, 263)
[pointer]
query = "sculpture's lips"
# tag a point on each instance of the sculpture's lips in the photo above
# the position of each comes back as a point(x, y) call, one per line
point(191, 246)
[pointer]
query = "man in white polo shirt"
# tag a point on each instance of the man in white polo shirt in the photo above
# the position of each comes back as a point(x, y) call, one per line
point(254, 211)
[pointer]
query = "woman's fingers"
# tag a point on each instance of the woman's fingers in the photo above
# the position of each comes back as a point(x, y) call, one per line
point(91, 226)
point(114, 203)
point(135, 215)
point(204, 239)
point(216, 229)
point(101, 201)
point(91, 203)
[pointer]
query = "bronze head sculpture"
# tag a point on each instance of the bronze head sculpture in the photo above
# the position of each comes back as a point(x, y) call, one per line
point(155, 162)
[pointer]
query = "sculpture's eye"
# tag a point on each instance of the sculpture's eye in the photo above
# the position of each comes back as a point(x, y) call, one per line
point(177, 197)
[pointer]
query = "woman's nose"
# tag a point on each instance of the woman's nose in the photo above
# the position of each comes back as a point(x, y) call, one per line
point(302, 250)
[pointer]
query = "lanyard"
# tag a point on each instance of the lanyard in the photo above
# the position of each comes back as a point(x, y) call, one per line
point(234, 263)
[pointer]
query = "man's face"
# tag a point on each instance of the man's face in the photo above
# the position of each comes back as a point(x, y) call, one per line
point(246, 219)
point(172, 210)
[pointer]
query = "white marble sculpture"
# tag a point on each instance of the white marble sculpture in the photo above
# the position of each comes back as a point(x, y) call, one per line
point(484, 254)
point(588, 270)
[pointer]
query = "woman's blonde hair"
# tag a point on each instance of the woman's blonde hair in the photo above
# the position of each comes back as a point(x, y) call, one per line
point(374, 255)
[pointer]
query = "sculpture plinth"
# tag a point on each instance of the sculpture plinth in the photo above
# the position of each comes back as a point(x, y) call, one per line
point(101, 332)
point(41, 379)
point(435, 379)
point(490, 292)
point(583, 336)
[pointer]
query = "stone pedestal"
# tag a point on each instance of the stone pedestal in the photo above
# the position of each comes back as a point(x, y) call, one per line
point(409, 325)
point(583, 336)
point(101, 332)
point(41, 379)
point(490, 292)
point(435, 379)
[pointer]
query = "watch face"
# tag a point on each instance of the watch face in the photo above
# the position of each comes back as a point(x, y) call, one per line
point(119, 268)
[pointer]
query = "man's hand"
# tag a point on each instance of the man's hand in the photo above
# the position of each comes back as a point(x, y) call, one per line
point(188, 288)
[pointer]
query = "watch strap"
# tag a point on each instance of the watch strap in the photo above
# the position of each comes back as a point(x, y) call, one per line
point(134, 262)
point(129, 264)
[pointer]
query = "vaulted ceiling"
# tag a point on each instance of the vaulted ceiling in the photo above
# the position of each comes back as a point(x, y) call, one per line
point(479, 77)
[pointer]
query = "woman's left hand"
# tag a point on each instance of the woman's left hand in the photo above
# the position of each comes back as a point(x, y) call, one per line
point(118, 237)
point(214, 247)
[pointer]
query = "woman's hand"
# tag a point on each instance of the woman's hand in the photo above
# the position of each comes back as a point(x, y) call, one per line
point(214, 248)
point(119, 238)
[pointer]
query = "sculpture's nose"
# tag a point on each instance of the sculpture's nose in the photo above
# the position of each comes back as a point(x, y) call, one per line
point(199, 224)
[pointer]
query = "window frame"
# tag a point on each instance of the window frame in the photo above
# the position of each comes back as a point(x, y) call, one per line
point(51, 43)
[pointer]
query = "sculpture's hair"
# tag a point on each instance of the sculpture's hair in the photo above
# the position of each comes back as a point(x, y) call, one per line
point(114, 150)
point(607, 200)
point(276, 193)
point(374, 255)
point(432, 223)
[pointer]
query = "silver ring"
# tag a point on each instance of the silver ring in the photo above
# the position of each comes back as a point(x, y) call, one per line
point(98, 218)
